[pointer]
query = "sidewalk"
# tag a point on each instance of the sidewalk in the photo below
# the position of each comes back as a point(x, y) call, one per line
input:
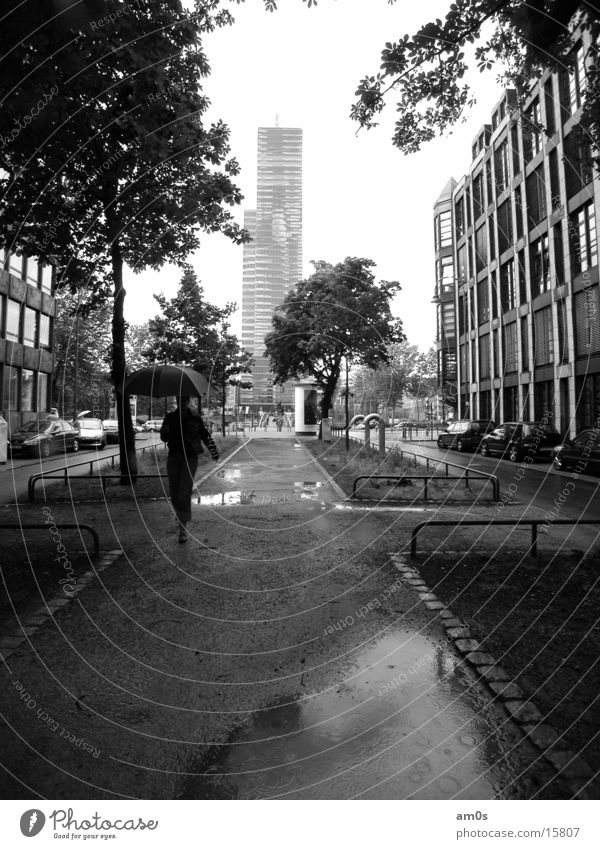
point(280, 652)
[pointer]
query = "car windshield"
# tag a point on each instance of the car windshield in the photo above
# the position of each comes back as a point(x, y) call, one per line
point(90, 424)
point(37, 426)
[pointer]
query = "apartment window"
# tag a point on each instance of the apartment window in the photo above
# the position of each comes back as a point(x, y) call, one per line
point(13, 320)
point(559, 254)
point(472, 314)
point(523, 295)
point(489, 181)
point(461, 316)
point(511, 411)
point(494, 289)
point(32, 271)
point(46, 282)
point(549, 106)
point(540, 266)
point(43, 385)
point(505, 230)
point(519, 210)
point(464, 372)
point(27, 390)
point(514, 140)
point(470, 256)
point(445, 225)
point(508, 291)
point(10, 391)
point(15, 265)
point(496, 353)
point(483, 302)
point(478, 199)
point(29, 326)
point(481, 248)
point(577, 80)
point(587, 321)
point(532, 131)
point(446, 275)
point(525, 343)
point(461, 259)
point(484, 356)
point(510, 347)
point(44, 331)
point(579, 166)
point(563, 335)
point(492, 229)
point(459, 217)
point(554, 180)
point(582, 229)
point(543, 337)
point(536, 197)
point(501, 166)
point(468, 202)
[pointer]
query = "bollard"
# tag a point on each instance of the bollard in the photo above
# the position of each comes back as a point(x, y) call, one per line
point(381, 438)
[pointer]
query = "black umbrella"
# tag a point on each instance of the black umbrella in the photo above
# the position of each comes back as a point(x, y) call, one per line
point(160, 381)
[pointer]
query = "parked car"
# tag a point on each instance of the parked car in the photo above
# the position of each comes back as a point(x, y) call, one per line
point(465, 434)
point(91, 432)
point(44, 436)
point(518, 439)
point(582, 453)
point(111, 430)
point(153, 424)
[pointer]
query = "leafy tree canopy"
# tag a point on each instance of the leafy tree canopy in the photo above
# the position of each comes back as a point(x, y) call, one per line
point(426, 71)
point(338, 312)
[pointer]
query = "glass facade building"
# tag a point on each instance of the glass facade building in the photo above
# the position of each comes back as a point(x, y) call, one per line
point(273, 260)
point(524, 267)
point(27, 309)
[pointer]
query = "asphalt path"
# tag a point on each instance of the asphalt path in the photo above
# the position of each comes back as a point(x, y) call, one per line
point(15, 474)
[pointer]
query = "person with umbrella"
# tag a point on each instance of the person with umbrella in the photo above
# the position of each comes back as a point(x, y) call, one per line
point(184, 432)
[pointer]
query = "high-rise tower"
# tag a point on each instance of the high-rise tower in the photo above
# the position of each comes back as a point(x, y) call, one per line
point(273, 260)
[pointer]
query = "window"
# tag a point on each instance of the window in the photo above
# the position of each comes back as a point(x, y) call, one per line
point(44, 331)
point(510, 347)
point(446, 274)
point(549, 106)
point(483, 302)
point(523, 294)
point(489, 181)
point(459, 217)
point(26, 390)
point(494, 289)
point(484, 356)
point(579, 167)
point(480, 248)
point(10, 392)
point(15, 265)
point(47, 271)
point(540, 266)
point(478, 198)
point(468, 202)
point(532, 131)
point(445, 225)
point(461, 315)
point(559, 260)
point(519, 210)
point(525, 343)
point(536, 197)
point(577, 80)
point(13, 320)
point(554, 180)
point(505, 230)
point(508, 291)
point(501, 166)
point(492, 226)
point(514, 140)
point(563, 334)
point(543, 337)
point(587, 321)
point(496, 354)
point(43, 383)
point(582, 229)
point(461, 258)
point(472, 314)
point(29, 326)
point(464, 373)
point(32, 271)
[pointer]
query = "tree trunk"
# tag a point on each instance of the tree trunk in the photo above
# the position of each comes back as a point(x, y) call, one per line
point(223, 408)
point(127, 455)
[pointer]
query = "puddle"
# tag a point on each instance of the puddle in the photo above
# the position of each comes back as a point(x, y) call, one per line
point(229, 474)
point(407, 723)
point(223, 499)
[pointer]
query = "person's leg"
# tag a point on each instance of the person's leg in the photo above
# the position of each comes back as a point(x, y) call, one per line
point(185, 485)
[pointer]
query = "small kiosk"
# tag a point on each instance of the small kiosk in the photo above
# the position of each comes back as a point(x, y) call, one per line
point(306, 409)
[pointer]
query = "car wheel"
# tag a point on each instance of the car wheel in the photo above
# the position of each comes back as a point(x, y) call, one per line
point(75, 445)
point(559, 464)
point(440, 443)
point(514, 454)
point(45, 449)
point(484, 450)
point(460, 446)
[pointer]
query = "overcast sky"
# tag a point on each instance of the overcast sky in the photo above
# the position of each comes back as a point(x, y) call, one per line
point(361, 196)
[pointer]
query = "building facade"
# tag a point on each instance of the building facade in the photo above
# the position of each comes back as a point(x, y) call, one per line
point(273, 260)
point(523, 273)
point(27, 310)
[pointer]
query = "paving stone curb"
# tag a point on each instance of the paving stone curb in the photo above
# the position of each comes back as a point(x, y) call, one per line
point(570, 767)
point(29, 625)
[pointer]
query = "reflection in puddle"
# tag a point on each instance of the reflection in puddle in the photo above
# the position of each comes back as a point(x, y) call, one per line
point(404, 724)
point(224, 499)
point(229, 474)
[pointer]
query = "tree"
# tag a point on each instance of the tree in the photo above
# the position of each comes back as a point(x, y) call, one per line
point(230, 364)
point(104, 158)
point(338, 313)
point(426, 71)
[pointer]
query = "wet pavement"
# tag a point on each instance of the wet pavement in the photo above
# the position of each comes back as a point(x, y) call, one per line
point(277, 654)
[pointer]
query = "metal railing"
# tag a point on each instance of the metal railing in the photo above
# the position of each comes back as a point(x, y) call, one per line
point(534, 523)
point(37, 526)
point(408, 479)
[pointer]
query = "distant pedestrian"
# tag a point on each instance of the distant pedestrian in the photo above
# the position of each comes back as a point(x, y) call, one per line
point(184, 432)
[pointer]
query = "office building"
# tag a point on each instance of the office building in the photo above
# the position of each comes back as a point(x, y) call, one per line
point(27, 309)
point(273, 260)
point(517, 264)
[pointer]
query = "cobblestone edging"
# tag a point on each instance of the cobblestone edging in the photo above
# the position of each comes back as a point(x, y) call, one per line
point(570, 767)
point(32, 623)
